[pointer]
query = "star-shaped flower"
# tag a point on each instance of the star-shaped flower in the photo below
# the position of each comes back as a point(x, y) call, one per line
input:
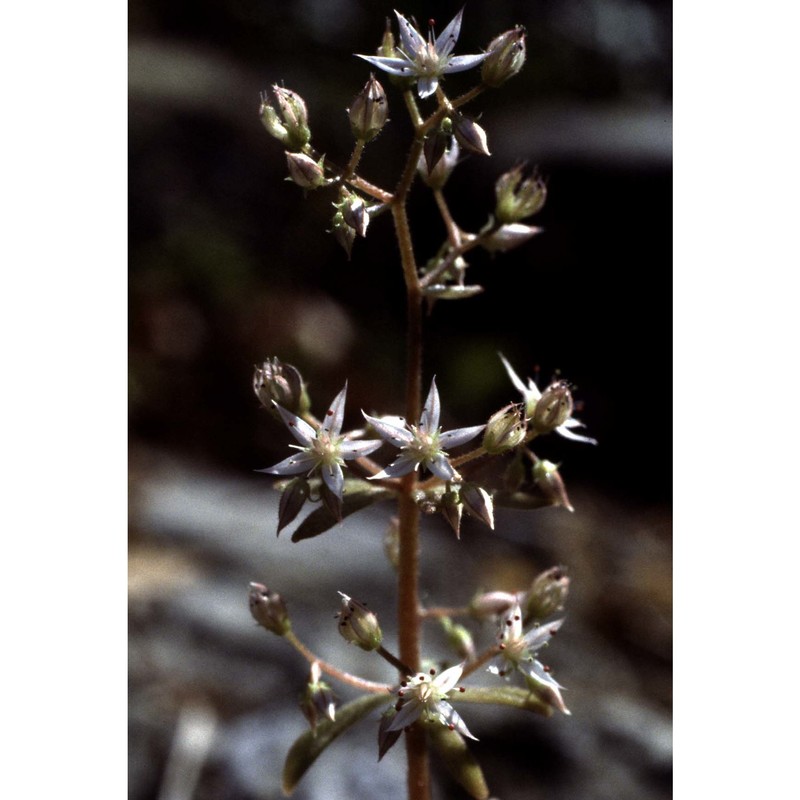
point(557, 394)
point(517, 651)
point(424, 696)
point(323, 449)
point(423, 444)
point(427, 60)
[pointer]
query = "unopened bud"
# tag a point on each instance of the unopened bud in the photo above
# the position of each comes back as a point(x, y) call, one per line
point(452, 509)
point(438, 160)
point(553, 408)
point(491, 604)
point(547, 595)
point(281, 383)
point(478, 502)
point(359, 625)
point(506, 57)
point(289, 124)
point(354, 211)
point(509, 236)
point(504, 431)
point(304, 171)
point(343, 233)
point(318, 700)
point(547, 478)
point(519, 196)
point(470, 135)
point(369, 111)
point(268, 609)
point(459, 639)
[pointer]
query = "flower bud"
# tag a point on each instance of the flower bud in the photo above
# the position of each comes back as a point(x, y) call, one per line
point(470, 135)
point(507, 237)
point(268, 609)
point(548, 480)
point(506, 57)
point(434, 167)
point(459, 639)
point(553, 408)
point(358, 624)
point(304, 171)
point(354, 211)
point(478, 502)
point(289, 124)
point(343, 233)
point(547, 594)
point(504, 431)
point(452, 509)
point(518, 196)
point(369, 111)
point(283, 384)
point(491, 604)
point(318, 700)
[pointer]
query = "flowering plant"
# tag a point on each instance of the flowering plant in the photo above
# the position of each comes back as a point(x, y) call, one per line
point(418, 703)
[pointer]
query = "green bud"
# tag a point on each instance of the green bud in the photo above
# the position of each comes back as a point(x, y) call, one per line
point(304, 171)
point(318, 699)
point(548, 479)
point(268, 609)
point(354, 211)
point(546, 595)
point(289, 124)
point(504, 431)
point(478, 502)
point(283, 384)
point(506, 57)
point(459, 639)
point(438, 160)
point(452, 509)
point(519, 196)
point(470, 135)
point(369, 111)
point(358, 625)
point(553, 408)
point(343, 233)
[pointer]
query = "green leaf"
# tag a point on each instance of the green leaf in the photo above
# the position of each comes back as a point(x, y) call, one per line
point(459, 761)
point(514, 696)
point(306, 749)
point(358, 495)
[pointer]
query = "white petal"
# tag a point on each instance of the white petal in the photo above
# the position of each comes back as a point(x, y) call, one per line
point(300, 429)
point(564, 431)
point(361, 447)
point(334, 478)
point(450, 717)
point(394, 66)
point(460, 63)
point(294, 465)
point(405, 716)
point(429, 421)
point(537, 637)
point(389, 431)
point(448, 678)
point(459, 436)
point(517, 381)
point(441, 467)
point(402, 466)
point(446, 40)
point(335, 414)
point(411, 41)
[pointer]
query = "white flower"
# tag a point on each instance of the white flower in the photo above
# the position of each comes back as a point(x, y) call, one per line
point(517, 651)
point(423, 444)
point(426, 60)
point(323, 449)
point(532, 395)
point(424, 696)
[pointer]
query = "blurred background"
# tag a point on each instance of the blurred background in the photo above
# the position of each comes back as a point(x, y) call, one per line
point(230, 264)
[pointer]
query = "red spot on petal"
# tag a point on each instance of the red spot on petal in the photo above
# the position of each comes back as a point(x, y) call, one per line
point(329, 413)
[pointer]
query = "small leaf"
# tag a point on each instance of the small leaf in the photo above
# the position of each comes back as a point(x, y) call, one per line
point(358, 495)
point(307, 748)
point(459, 761)
point(514, 696)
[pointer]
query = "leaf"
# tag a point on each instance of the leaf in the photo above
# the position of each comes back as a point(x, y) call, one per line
point(307, 748)
point(514, 696)
point(358, 495)
point(459, 761)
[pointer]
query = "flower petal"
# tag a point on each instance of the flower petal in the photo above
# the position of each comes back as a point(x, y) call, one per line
point(334, 478)
point(300, 429)
point(358, 448)
point(459, 436)
point(411, 40)
point(441, 467)
point(406, 715)
point(294, 465)
point(460, 63)
point(427, 86)
point(452, 719)
point(401, 466)
point(394, 66)
point(537, 637)
point(389, 431)
point(448, 678)
point(531, 390)
point(564, 430)
point(446, 40)
point(335, 414)
point(538, 680)
point(429, 421)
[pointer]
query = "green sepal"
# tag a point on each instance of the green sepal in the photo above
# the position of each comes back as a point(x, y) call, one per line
point(358, 495)
point(308, 746)
point(514, 696)
point(458, 760)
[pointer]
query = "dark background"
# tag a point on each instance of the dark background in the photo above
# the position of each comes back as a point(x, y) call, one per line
point(229, 264)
